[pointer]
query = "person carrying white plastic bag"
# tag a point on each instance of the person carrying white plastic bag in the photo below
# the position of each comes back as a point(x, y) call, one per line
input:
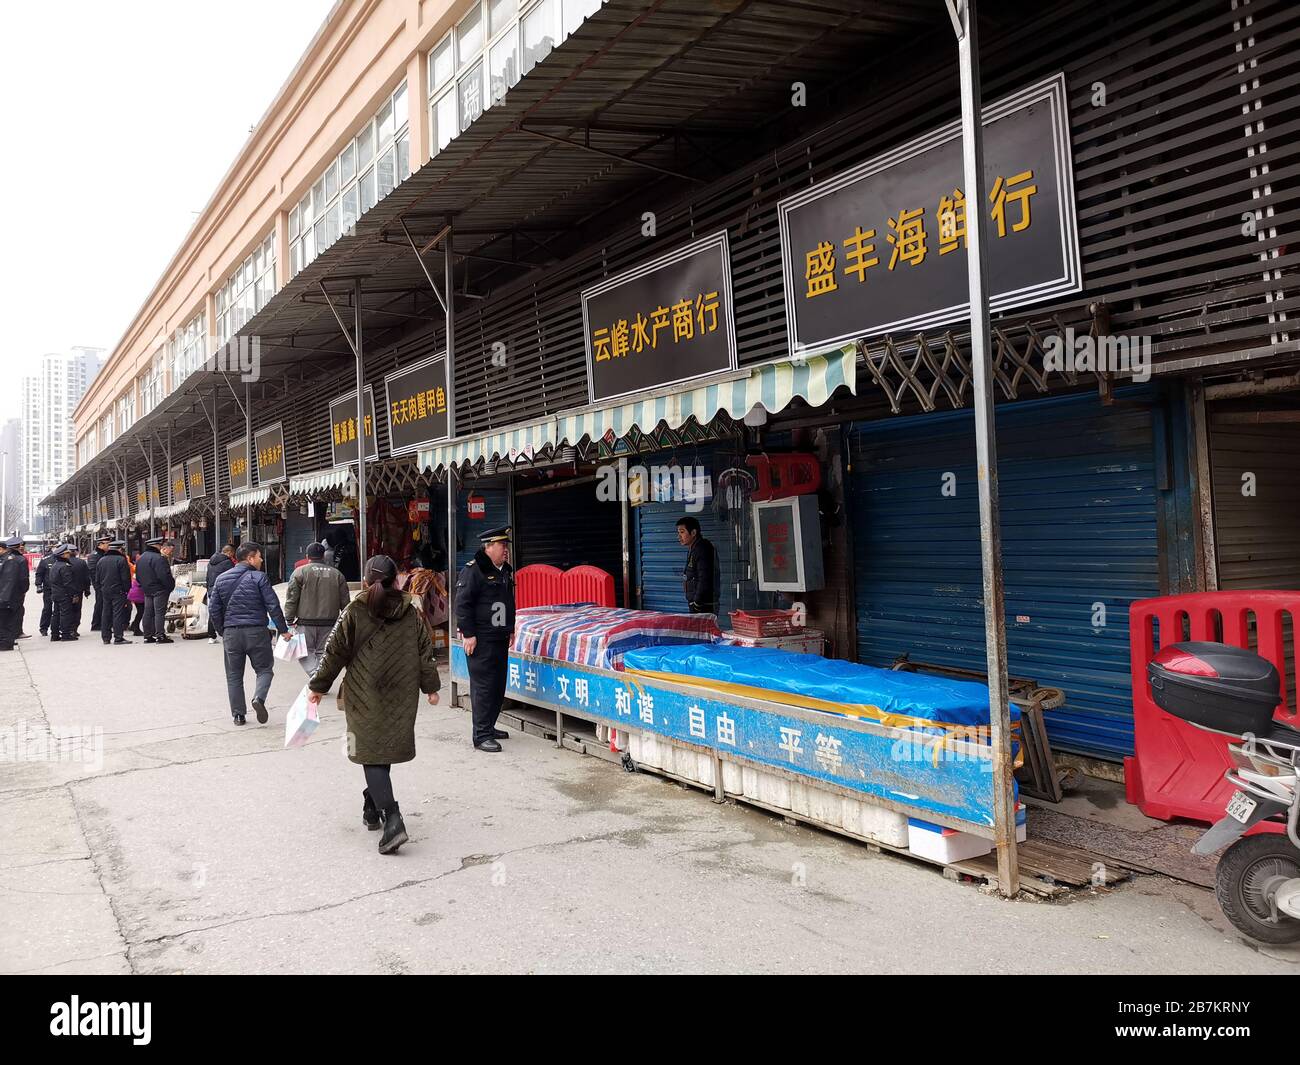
point(302, 720)
point(292, 649)
point(384, 646)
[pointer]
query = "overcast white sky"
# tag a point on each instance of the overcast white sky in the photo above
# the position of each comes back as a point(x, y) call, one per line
point(119, 121)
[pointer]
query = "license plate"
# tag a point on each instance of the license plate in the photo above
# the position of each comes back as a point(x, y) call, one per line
point(1241, 806)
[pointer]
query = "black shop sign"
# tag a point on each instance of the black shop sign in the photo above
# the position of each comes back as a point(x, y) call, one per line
point(416, 399)
point(237, 464)
point(194, 477)
point(344, 431)
point(665, 322)
point(881, 248)
point(269, 443)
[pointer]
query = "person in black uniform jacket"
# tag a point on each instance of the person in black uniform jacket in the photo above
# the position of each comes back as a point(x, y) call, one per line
point(43, 587)
point(700, 582)
point(63, 586)
point(81, 582)
point(112, 582)
point(14, 582)
point(217, 565)
point(485, 615)
point(101, 549)
point(153, 572)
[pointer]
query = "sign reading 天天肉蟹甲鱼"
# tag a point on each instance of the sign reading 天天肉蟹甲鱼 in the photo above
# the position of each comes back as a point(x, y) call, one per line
point(237, 464)
point(269, 443)
point(344, 430)
point(416, 398)
point(664, 322)
point(881, 248)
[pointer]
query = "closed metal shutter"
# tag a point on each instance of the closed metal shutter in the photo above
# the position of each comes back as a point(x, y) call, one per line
point(1079, 533)
point(569, 526)
point(496, 499)
point(660, 558)
point(1256, 504)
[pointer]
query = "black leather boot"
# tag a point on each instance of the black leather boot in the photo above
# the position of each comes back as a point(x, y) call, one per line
point(394, 830)
point(370, 812)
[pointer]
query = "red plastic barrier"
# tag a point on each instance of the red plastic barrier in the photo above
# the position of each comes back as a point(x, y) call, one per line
point(1177, 769)
point(539, 585)
point(588, 584)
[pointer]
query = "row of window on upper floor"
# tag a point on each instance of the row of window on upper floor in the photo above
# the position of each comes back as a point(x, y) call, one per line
point(489, 49)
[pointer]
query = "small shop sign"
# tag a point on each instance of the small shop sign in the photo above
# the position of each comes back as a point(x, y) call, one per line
point(194, 477)
point(344, 431)
point(237, 464)
point(416, 398)
point(269, 443)
point(665, 322)
point(178, 486)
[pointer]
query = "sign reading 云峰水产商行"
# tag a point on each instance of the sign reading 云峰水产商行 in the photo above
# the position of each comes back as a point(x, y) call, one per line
point(664, 322)
point(269, 443)
point(237, 464)
point(416, 397)
point(344, 430)
point(881, 248)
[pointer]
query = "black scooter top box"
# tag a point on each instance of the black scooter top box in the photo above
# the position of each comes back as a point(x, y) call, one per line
point(1216, 686)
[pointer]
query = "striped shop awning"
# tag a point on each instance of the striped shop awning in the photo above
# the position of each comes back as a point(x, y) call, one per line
point(309, 484)
point(772, 386)
point(249, 497)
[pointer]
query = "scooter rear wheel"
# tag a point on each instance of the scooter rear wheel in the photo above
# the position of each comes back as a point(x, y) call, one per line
point(1244, 872)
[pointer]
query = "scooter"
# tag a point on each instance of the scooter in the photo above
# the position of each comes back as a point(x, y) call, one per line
point(1234, 692)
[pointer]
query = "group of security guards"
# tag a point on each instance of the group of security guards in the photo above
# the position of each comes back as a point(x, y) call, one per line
point(64, 580)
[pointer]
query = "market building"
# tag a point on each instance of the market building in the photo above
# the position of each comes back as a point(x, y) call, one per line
point(560, 245)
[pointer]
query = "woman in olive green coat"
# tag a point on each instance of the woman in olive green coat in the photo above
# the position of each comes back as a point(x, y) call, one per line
point(385, 647)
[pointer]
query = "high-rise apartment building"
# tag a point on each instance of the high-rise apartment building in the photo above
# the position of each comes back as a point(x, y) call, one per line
point(47, 445)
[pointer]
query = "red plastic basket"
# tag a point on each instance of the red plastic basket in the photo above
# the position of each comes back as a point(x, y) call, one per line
point(760, 623)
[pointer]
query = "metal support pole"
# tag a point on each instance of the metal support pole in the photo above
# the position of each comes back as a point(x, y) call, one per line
point(624, 516)
point(963, 17)
point(248, 458)
point(216, 477)
point(449, 303)
point(362, 546)
point(451, 571)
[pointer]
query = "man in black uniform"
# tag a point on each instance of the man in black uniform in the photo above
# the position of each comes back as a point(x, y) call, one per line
point(153, 572)
point(485, 615)
point(14, 581)
point(112, 582)
point(63, 591)
point(700, 583)
point(43, 587)
point(101, 549)
point(81, 582)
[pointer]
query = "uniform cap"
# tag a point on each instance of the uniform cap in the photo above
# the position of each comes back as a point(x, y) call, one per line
point(496, 536)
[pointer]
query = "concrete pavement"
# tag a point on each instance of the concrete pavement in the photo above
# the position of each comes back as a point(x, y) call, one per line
point(173, 842)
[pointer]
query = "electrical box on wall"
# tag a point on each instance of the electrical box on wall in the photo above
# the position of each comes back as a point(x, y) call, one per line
point(788, 536)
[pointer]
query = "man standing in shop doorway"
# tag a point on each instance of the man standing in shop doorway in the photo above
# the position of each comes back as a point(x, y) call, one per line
point(485, 615)
point(700, 582)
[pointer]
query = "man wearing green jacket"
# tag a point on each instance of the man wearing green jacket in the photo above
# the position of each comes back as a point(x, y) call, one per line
point(317, 595)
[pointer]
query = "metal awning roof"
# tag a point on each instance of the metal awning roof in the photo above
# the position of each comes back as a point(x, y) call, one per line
point(645, 99)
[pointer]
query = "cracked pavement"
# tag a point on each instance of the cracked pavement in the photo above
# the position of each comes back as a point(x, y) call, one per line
point(197, 848)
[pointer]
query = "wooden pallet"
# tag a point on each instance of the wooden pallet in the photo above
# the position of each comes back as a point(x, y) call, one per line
point(1048, 868)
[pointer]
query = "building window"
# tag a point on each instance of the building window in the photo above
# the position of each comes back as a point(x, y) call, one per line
point(487, 52)
point(126, 410)
point(369, 167)
point(185, 350)
point(247, 290)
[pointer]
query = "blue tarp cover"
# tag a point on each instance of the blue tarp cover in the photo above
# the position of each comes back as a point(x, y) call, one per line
point(828, 680)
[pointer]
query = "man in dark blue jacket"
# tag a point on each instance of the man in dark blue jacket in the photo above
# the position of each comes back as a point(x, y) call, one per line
point(43, 587)
point(241, 604)
point(153, 573)
point(101, 549)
